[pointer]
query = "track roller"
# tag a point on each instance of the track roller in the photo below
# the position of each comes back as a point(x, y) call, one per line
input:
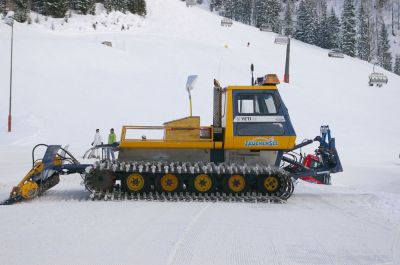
point(168, 183)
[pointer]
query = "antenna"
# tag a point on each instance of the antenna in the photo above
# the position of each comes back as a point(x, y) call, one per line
point(191, 81)
point(252, 77)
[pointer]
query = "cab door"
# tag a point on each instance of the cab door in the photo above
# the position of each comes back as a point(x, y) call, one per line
point(258, 120)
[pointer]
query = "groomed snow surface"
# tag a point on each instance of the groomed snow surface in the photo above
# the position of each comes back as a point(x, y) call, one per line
point(67, 84)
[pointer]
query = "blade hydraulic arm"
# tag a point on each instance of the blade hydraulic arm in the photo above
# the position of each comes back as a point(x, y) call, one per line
point(45, 173)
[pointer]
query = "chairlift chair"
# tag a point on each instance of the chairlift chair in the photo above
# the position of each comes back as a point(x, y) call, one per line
point(266, 27)
point(281, 39)
point(190, 3)
point(226, 22)
point(378, 79)
point(336, 53)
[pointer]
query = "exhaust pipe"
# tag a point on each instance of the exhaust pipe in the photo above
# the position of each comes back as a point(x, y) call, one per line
point(217, 115)
point(217, 105)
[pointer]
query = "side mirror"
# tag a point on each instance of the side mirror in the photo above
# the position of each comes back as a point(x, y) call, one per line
point(191, 81)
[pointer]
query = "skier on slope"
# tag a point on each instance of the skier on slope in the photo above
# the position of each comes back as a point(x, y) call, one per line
point(112, 138)
point(97, 141)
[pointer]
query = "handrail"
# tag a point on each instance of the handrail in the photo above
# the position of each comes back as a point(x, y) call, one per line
point(125, 128)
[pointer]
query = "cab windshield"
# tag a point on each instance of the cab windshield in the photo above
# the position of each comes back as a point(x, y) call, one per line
point(259, 104)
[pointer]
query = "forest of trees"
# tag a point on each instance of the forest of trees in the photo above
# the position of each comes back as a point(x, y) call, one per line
point(357, 30)
point(59, 8)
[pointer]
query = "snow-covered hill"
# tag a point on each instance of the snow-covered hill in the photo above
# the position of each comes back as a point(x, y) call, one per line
point(67, 84)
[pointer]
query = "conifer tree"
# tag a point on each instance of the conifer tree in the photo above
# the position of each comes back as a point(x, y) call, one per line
point(142, 8)
point(132, 6)
point(273, 8)
point(136, 7)
point(306, 22)
point(246, 11)
point(83, 6)
point(260, 13)
point(108, 5)
point(348, 28)
point(334, 30)
point(2, 7)
point(37, 6)
point(397, 65)
point(243, 11)
point(363, 34)
point(301, 21)
point(21, 10)
point(229, 9)
point(215, 4)
point(55, 8)
point(288, 19)
point(238, 10)
point(384, 55)
point(119, 5)
point(323, 34)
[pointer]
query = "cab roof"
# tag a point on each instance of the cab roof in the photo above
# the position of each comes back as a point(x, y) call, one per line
point(256, 87)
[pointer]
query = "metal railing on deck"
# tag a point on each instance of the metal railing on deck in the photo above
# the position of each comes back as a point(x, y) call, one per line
point(193, 134)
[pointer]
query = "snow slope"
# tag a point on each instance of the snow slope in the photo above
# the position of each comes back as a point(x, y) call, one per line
point(66, 84)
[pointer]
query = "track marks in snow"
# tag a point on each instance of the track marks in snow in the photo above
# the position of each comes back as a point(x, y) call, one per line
point(353, 235)
point(180, 243)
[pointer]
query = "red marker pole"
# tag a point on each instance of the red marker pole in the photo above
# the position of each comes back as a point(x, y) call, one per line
point(11, 72)
point(286, 75)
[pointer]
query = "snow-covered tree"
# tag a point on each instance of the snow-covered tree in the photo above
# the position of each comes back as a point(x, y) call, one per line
point(83, 6)
point(306, 22)
point(384, 55)
point(55, 8)
point(215, 5)
point(349, 28)
point(363, 34)
point(288, 19)
point(396, 69)
point(229, 8)
point(260, 12)
point(131, 5)
point(107, 5)
point(136, 7)
point(246, 11)
point(323, 34)
point(243, 10)
point(37, 6)
point(141, 8)
point(119, 5)
point(273, 8)
point(21, 10)
point(334, 30)
point(2, 6)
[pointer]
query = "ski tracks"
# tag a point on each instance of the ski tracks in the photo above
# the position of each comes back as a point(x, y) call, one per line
point(180, 242)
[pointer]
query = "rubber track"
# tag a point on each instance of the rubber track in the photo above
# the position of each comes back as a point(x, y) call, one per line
point(185, 197)
point(193, 168)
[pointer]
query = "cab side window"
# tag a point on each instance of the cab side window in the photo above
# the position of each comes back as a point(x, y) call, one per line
point(259, 104)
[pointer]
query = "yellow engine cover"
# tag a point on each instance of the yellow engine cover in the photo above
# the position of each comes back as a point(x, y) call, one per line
point(29, 190)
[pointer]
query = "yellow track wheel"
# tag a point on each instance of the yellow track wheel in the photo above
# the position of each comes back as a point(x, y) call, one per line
point(169, 182)
point(135, 182)
point(236, 183)
point(29, 190)
point(271, 183)
point(202, 183)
